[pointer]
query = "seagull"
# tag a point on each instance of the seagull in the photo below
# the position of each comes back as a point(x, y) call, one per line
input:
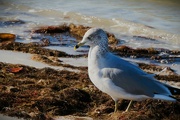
point(119, 78)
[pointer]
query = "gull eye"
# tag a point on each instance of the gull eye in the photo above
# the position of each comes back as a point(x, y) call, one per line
point(89, 38)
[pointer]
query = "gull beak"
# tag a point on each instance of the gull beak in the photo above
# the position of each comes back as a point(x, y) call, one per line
point(78, 45)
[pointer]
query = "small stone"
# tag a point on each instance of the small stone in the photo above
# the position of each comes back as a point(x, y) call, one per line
point(164, 61)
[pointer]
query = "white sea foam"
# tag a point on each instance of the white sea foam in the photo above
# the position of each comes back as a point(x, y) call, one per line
point(154, 19)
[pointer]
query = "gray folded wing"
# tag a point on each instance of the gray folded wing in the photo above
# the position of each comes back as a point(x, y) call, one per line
point(131, 78)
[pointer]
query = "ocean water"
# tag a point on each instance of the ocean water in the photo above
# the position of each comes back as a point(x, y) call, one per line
point(155, 19)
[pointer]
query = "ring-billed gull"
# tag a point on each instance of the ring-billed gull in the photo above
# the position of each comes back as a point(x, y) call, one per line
point(119, 78)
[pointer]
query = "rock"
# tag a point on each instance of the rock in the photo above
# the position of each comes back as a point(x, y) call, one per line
point(164, 54)
point(164, 61)
point(5, 23)
point(6, 38)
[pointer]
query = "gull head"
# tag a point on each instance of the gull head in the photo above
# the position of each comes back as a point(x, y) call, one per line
point(94, 37)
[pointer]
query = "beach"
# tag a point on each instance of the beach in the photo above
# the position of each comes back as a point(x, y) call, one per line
point(42, 77)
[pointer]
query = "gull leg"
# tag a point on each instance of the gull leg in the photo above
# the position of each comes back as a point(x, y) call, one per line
point(116, 106)
point(129, 105)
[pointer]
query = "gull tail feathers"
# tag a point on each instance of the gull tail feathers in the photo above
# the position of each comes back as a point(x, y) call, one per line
point(177, 99)
point(173, 90)
point(165, 97)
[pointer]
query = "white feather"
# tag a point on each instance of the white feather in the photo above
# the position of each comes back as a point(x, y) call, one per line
point(164, 97)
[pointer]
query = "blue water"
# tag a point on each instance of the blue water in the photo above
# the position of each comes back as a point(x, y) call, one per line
point(125, 18)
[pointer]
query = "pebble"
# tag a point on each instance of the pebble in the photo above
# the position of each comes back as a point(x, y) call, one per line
point(164, 54)
point(164, 61)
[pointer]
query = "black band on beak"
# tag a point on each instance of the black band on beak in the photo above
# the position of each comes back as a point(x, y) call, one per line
point(76, 47)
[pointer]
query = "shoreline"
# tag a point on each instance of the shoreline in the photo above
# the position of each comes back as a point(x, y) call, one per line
point(31, 92)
